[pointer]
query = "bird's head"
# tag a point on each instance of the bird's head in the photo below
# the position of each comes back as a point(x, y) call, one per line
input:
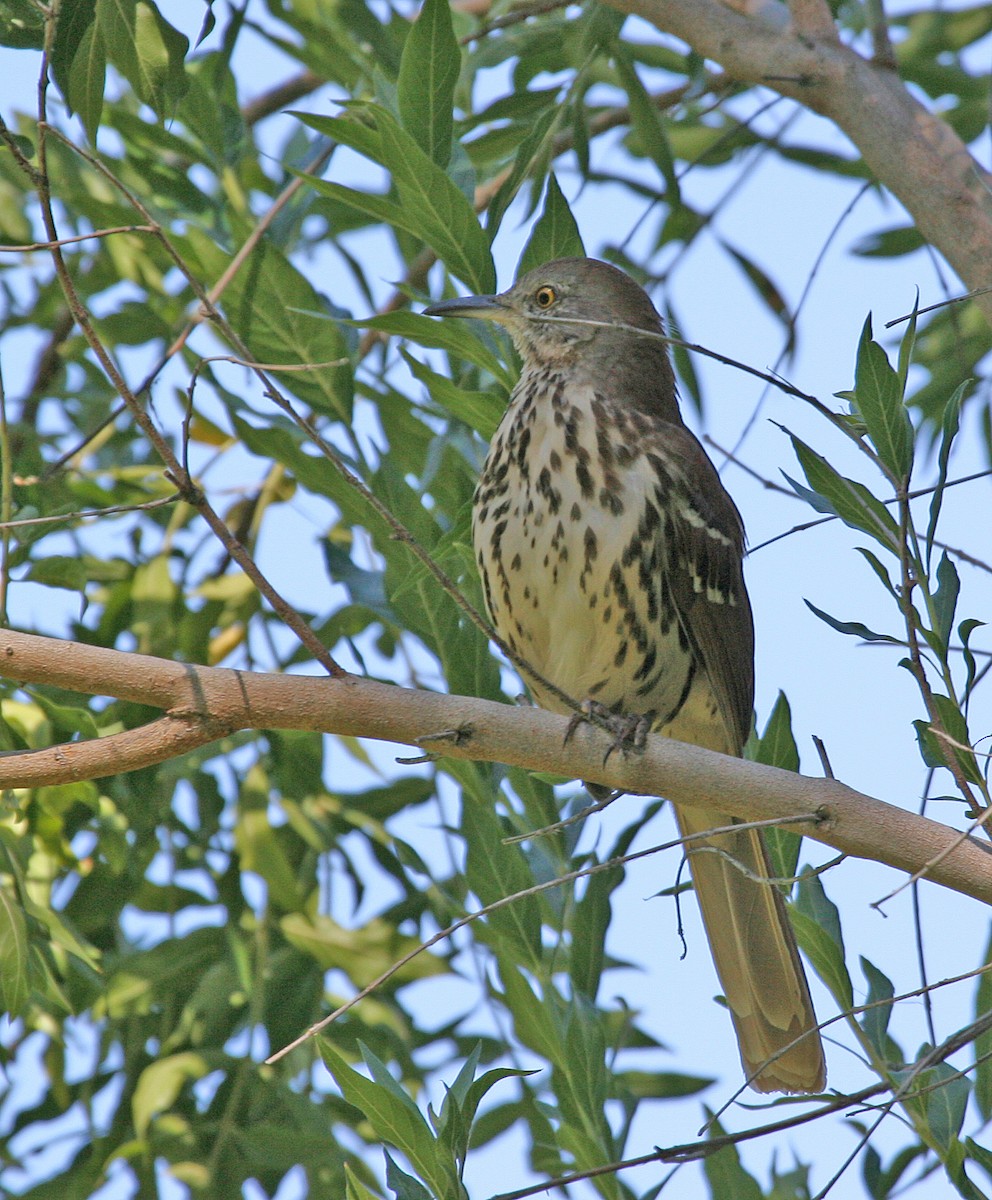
point(566, 307)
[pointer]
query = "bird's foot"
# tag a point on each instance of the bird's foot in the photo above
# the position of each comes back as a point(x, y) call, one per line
point(629, 731)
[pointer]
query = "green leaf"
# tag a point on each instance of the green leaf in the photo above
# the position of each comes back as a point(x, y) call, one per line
point(890, 243)
point(372, 204)
point(768, 291)
point(777, 745)
point(880, 570)
point(965, 630)
point(875, 1021)
point(429, 71)
point(494, 870)
point(590, 923)
point(348, 130)
point(479, 410)
point(983, 1042)
point(945, 601)
point(393, 1115)
point(86, 79)
point(146, 50)
point(261, 849)
point(530, 160)
point(725, 1174)
point(14, 989)
point(647, 123)
point(949, 425)
point(853, 628)
point(956, 727)
point(22, 25)
point(159, 1085)
point(355, 1188)
point(777, 748)
point(817, 925)
point(945, 1103)
point(444, 219)
point(555, 234)
point(402, 1185)
point(878, 398)
point(455, 337)
point(847, 499)
point(283, 319)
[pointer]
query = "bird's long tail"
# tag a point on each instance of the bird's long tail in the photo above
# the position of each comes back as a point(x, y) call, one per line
point(756, 958)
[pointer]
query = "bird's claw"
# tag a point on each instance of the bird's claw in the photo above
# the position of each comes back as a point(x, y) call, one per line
point(629, 731)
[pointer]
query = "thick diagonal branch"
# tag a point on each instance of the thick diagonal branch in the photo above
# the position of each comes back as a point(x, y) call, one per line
point(913, 153)
point(203, 704)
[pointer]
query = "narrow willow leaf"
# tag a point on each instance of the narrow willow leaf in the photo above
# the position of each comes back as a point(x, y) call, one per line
point(146, 49)
point(849, 500)
point(945, 600)
point(725, 1173)
point(875, 1021)
point(555, 234)
point(949, 425)
point(777, 748)
point(480, 410)
point(391, 1112)
point(762, 283)
point(878, 397)
point(965, 630)
point(372, 204)
point(402, 1185)
point(159, 1085)
point(348, 130)
point(14, 990)
point(956, 726)
point(445, 220)
point(429, 69)
point(853, 628)
point(983, 1042)
point(531, 150)
point(817, 924)
point(908, 345)
point(455, 337)
point(494, 870)
point(590, 922)
point(86, 81)
point(355, 1188)
point(879, 568)
point(647, 123)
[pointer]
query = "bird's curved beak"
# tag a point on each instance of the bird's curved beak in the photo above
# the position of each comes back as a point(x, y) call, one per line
point(485, 308)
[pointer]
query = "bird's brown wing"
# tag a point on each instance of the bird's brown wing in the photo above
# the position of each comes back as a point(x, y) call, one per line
point(704, 549)
point(753, 946)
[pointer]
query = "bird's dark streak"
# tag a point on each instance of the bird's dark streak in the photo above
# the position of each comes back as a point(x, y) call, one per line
point(550, 493)
point(690, 675)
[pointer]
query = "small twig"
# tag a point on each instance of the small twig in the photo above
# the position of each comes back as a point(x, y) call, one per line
point(486, 910)
point(821, 751)
point(79, 237)
point(694, 1151)
point(982, 291)
point(92, 513)
point(565, 823)
point(174, 470)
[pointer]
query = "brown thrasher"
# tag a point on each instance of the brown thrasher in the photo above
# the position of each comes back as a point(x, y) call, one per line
point(611, 558)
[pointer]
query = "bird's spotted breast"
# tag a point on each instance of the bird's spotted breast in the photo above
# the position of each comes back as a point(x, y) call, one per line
point(570, 544)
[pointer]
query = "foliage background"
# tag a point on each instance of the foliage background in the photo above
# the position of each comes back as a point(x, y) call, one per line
point(163, 931)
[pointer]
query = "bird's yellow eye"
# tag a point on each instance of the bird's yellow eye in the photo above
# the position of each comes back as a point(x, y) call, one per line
point(545, 296)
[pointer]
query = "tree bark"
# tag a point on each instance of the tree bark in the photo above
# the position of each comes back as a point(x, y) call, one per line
point(204, 704)
point(909, 150)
